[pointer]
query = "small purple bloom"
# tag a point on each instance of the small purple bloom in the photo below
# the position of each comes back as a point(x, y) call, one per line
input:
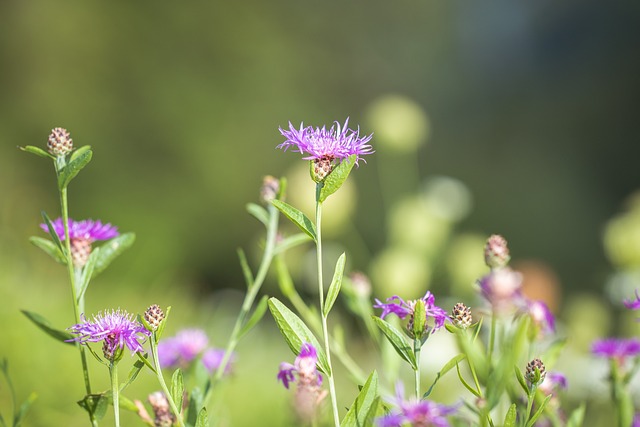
point(87, 230)
point(212, 358)
point(182, 349)
point(542, 316)
point(618, 349)
point(633, 305)
point(552, 382)
point(116, 328)
point(402, 309)
point(422, 413)
point(304, 366)
point(338, 142)
point(502, 288)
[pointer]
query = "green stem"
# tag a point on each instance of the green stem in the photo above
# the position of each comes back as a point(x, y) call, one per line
point(416, 350)
point(77, 305)
point(156, 363)
point(115, 392)
point(325, 330)
point(530, 398)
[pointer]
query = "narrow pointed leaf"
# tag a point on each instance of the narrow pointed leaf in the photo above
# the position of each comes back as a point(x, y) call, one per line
point(111, 249)
point(95, 404)
point(256, 316)
point(577, 416)
point(79, 152)
point(337, 177)
point(87, 273)
point(52, 231)
point(45, 325)
point(510, 418)
point(466, 384)
point(37, 151)
point(246, 270)
point(258, 212)
point(126, 404)
point(158, 334)
point(133, 373)
point(203, 418)
point(195, 402)
point(48, 247)
point(446, 368)
point(145, 361)
point(285, 282)
point(521, 380)
point(291, 242)
point(75, 165)
point(536, 415)
point(177, 388)
point(336, 283)
point(398, 341)
point(297, 217)
point(365, 406)
point(296, 333)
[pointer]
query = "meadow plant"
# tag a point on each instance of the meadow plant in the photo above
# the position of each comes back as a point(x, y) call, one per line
point(507, 346)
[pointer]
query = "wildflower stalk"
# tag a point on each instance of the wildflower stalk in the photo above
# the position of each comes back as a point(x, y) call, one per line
point(417, 344)
point(530, 398)
point(325, 331)
point(115, 392)
point(163, 384)
point(78, 303)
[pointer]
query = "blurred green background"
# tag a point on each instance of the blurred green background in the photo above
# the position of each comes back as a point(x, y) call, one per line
point(500, 117)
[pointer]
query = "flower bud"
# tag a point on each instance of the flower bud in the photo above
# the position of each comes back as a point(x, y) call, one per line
point(535, 371)
point(161, 409)
point(496, 252)
point(80, 251)
point(270, 188)
point(418, 322)
point(361, 284)
point(320, 168)
point(461, 316)
point(60, 142)
point(153, 316)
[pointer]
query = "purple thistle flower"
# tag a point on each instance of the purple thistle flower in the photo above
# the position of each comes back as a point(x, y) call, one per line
point(182, 349)
point(633, 305)
point(542, 316)
point(212, 358)
point(618, 349)
point(86, 230)
point(422, 413)
point(116, 328)
point(552, 382)
point(502, 288)
point(402, 309)
point(338, 142)
point(304, 366)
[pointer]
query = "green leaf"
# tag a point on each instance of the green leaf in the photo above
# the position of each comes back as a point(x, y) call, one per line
point(336, 178)
point(87, 273)
point(258, 212)
point(246, 270)
point(336, 284)
point(297, 217)
point(37, 151)
point(510, 418)
point(49, 247)
point(126, 404)
point(296, 333)
point(177, 388)
point(446, 368)
point(95, 404)
point(365, 406)
point(291, 242)
point(398, 341)
point(521, 380)
point(536, 415)
point(75, 165)
point(577, 416)
point(45, 325)
point(78, 152)
point(133, 373)
point(256, 316)
point(145, 361)
point(472, 390)
point(158, 333)
point(111, 249)
point(195, 402)
point(203, 418)
point(285, 282)
point(52, 232)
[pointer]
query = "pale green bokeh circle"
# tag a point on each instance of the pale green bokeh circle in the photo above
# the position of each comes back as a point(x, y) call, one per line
point(400, 271)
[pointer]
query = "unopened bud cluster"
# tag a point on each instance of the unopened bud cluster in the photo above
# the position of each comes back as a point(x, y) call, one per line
point(270, 188)
point(535, 371)
point(461, 316)
point(496, 252)
point(154, 316)
point(162, 414)
point(60, 142)
point(321, 168)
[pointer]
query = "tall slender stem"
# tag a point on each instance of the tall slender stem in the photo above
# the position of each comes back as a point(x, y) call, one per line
point(325, 330)
point(156, 363)
point(115, 392)
point(416, 351)
point(77, 305)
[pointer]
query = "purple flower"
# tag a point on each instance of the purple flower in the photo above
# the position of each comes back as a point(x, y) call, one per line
point(87, 230)
point(304, 366)
point(182, 349)
point(618, 349)
point(502, 288)
point(552, 382)
point(212, 358)
point(633, 305)
point(422, 413)
point(116, 328)
point(402, 309)
point(338, 142)
point(542, 316)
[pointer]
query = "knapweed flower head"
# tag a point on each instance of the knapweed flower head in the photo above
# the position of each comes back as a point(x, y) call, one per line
point(82, 234)
point(461, 316)
point(161, 410)
point(541, 316)
point(212, 359)
point(535, 372)
point(185, 347)
point(59, 142)
point(115, 328)
point(616, 349)
point(323, 145)
point(496, 252)
point(309, 393)
point(419, 311)
point(502, 289)
point(416, 413)
point(153, 316)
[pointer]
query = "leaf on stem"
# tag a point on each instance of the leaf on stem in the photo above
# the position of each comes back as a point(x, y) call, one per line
point(364, 408)
point(534, 418)
point(145, 361)
point(297, 217)
point(246, 270)
point(510, 418)
point(111, 249)
point(203, 418)
point(158, 333)
point(48, 247)
point(296, 333)
point(77, 162)
point(45, 325)
point(473, 391)
point(37, 151)
point(291, 242)
point(521, 380)
point(446, 368)
point(52, 232)
point(19, 416)
point(336, 178)
point(398, 341)
point(133, 373)
point(336, 283)
point(177, 388)
point(577, 416)
point(95, 404)
point(87, 272)
point(256, 316)
point(259, 213)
